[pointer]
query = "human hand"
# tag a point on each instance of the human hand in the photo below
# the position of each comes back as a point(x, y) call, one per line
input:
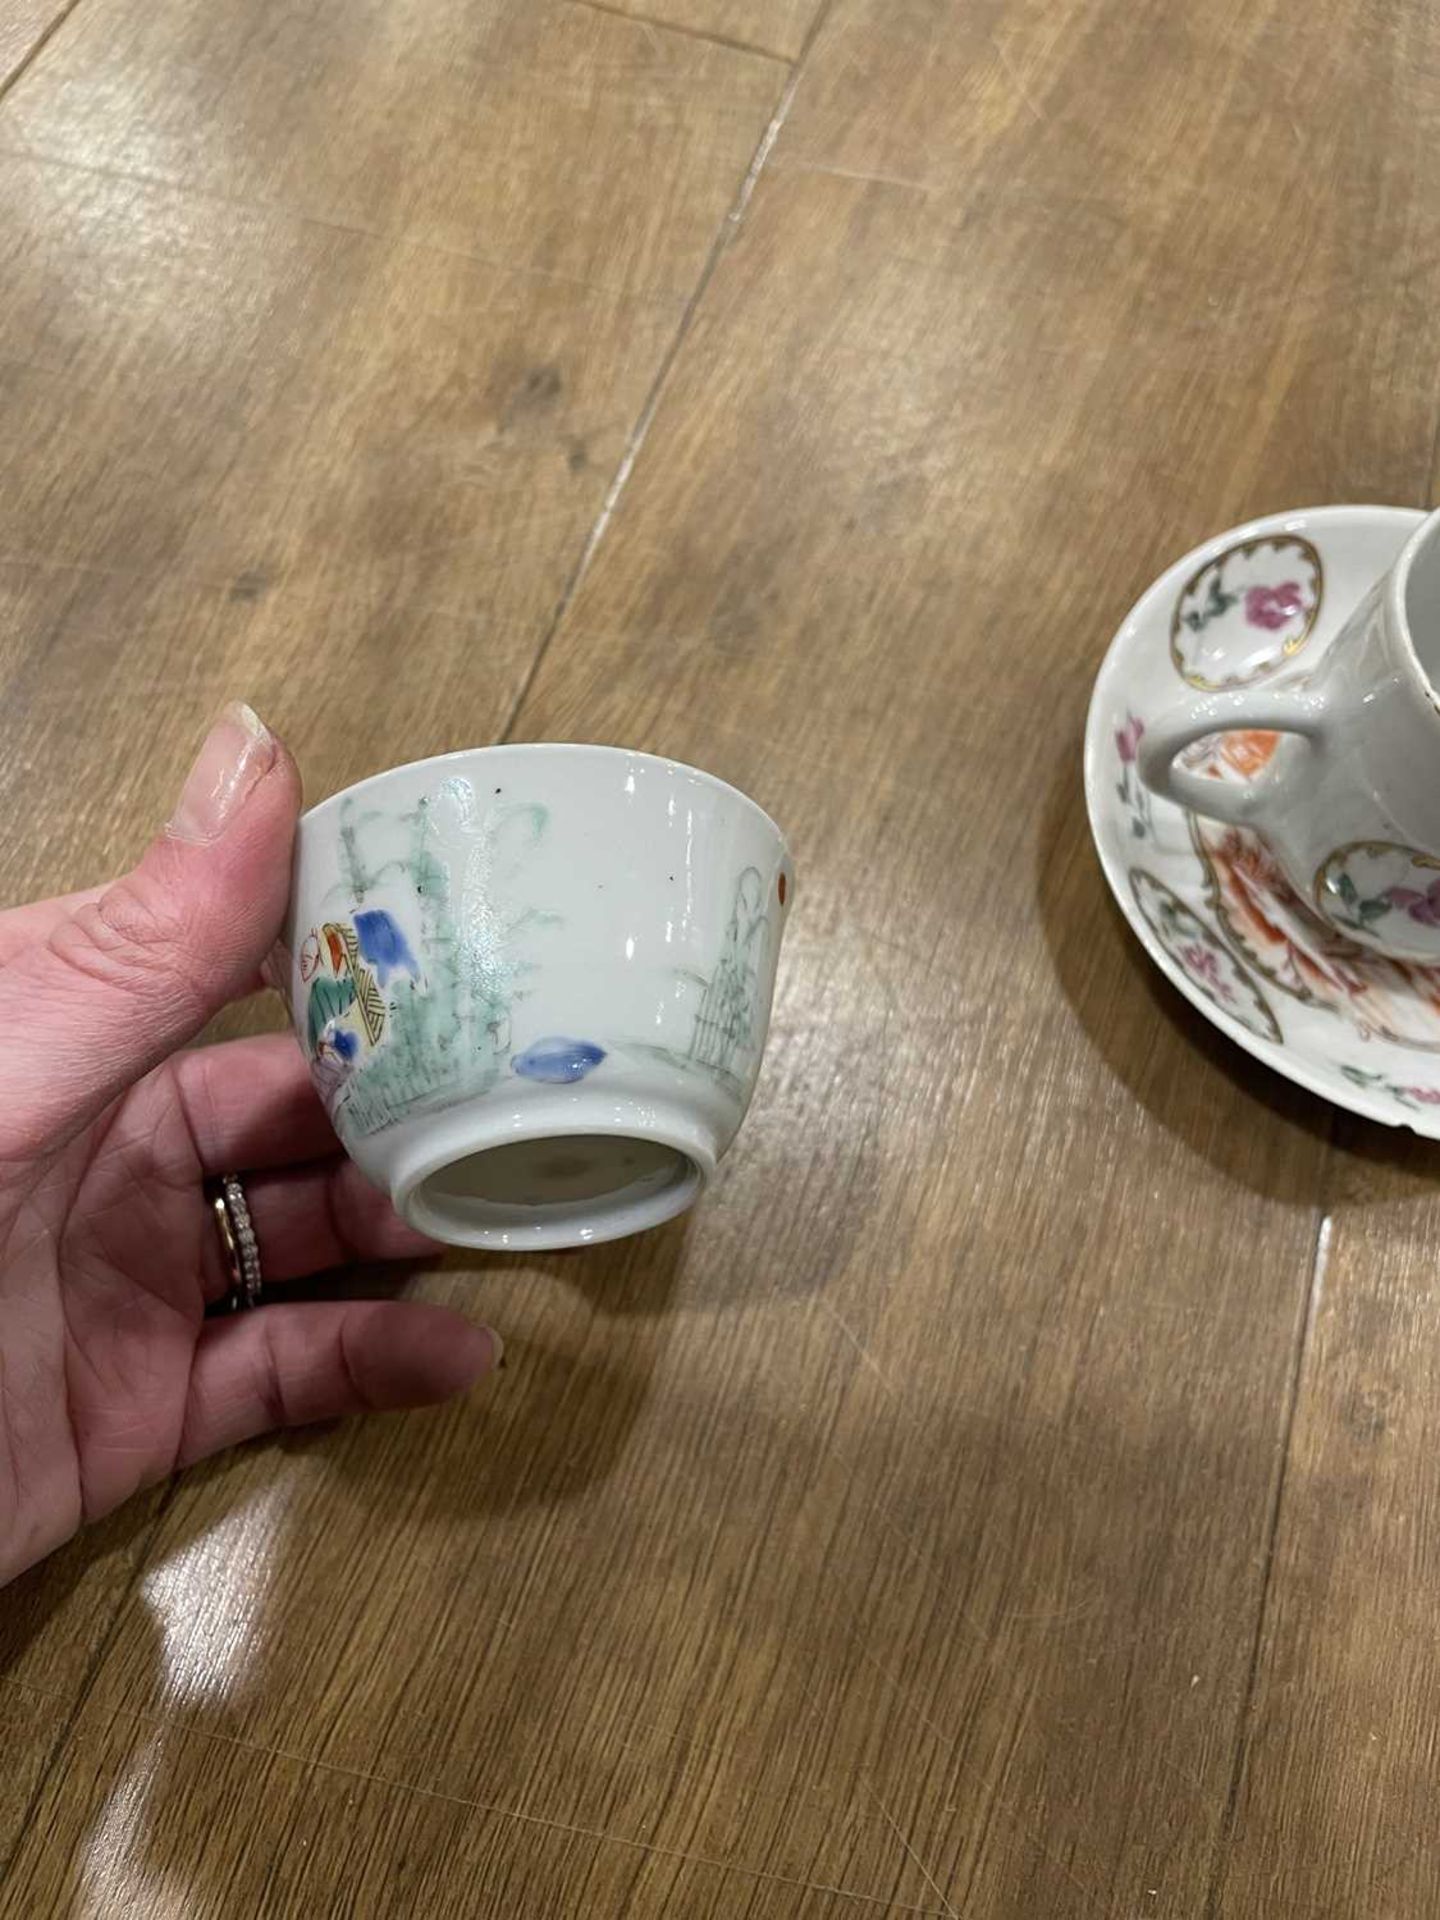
point(110, 1376)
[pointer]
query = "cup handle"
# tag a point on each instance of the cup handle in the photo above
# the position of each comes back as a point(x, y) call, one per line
point(1301, 710)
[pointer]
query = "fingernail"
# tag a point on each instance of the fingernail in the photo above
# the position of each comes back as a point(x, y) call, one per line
point(497, 1348)
point(238, 749)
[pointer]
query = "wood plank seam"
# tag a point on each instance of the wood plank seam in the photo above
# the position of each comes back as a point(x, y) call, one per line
point(281, 211)
point(82, 1692)
point(729, 227)
point(727, 40)
point(1313, 1293)
point(27, 60)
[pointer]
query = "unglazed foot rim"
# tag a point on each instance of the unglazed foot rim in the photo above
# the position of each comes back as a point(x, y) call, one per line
point(440, 1207)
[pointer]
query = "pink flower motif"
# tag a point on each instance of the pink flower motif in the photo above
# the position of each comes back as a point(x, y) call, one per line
point(1430, 1095)
point(1128, 738)
point(1423, 908)
point(1273, 607)
point(1202, 965)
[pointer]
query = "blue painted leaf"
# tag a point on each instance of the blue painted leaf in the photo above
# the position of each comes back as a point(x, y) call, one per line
point(557, 1060)
point(383, 945)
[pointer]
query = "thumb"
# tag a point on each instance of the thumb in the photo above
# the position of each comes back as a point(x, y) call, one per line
point(126, 979)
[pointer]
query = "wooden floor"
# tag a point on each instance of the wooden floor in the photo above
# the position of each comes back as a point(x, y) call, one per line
point(1016, 1492)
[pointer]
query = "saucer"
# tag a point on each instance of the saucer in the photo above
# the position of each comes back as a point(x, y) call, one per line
point(1259, 604)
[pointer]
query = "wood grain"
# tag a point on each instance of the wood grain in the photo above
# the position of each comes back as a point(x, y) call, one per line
point(979, 1507)
point(23, 28)
point(1333, 1810)
point(340, 475)
point(54, 1621)
point(336, 471)
point(777, 27)
point(525, 133)
point(213, 1829)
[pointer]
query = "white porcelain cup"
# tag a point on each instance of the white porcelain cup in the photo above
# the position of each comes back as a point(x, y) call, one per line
point(533, 984)
point(1347, 792)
